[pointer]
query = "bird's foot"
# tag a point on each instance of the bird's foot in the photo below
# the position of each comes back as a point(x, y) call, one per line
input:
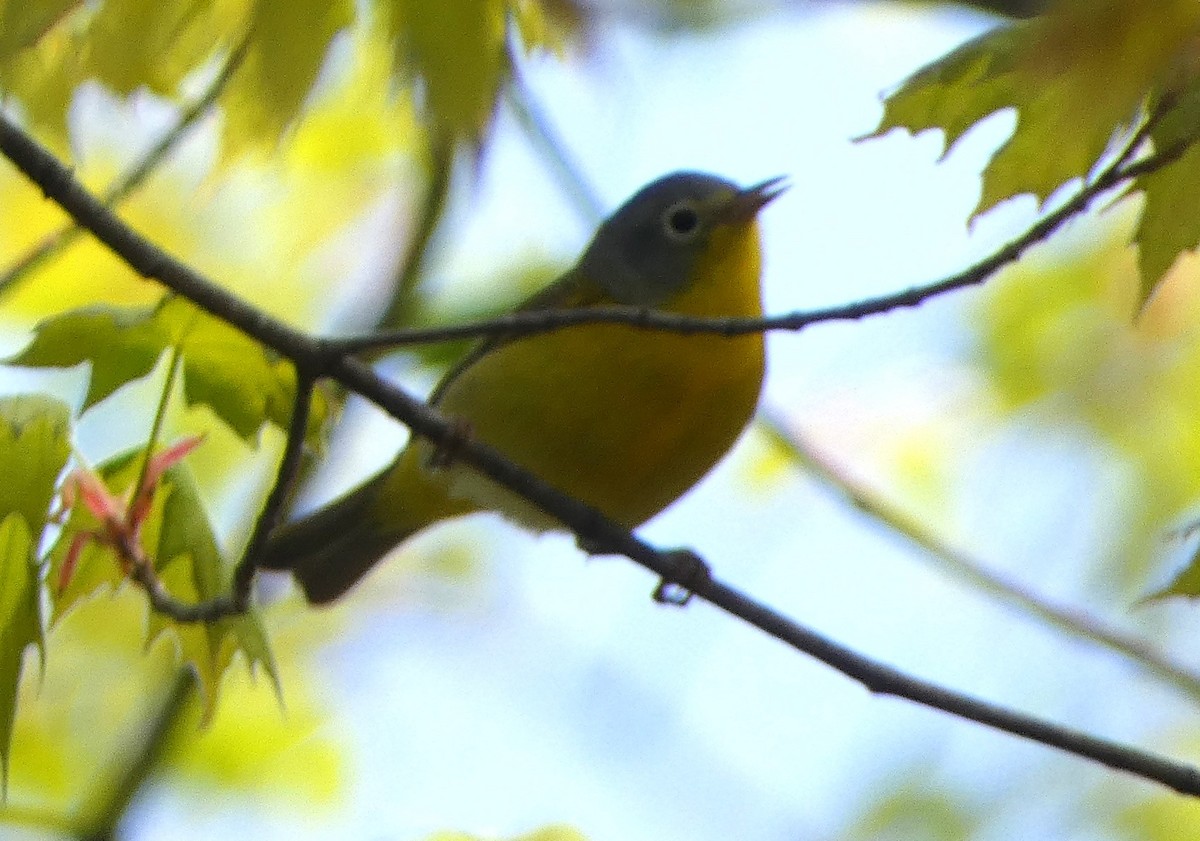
point(689, 573)
point(445, 453)
point(593, 548)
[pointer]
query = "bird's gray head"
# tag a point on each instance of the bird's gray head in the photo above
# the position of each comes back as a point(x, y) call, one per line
point(644, 253)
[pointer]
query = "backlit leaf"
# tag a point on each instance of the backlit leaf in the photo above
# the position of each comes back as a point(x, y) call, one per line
point(122, 344)
point(1169, 223)
point(1077, 77)
point(20, 621)
point(289, 42)
point(162, 53)
point(222, 368)
point(191, 566)
point(457, 50)
point(34, 447)
point(23, 22)
point(178, 536)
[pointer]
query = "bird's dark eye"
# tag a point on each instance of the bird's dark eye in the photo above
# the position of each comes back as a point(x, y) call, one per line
point(681, 222)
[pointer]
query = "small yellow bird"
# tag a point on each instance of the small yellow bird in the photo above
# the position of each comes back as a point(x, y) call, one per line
point(624, 419)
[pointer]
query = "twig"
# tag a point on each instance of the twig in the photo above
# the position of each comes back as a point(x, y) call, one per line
point(121, 189)
point(587, 523)
point(103, 823)
point(519, 324)
point(416, 253)
point(1066, 619)
point(281, 491)
point(545, 139)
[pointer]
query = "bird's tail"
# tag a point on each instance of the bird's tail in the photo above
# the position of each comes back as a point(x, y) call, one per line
point(329, 550)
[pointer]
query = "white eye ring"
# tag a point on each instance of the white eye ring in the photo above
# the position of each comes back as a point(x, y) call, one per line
point(681, 222)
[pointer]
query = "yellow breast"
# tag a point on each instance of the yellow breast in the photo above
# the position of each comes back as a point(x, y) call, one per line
point(624, 419)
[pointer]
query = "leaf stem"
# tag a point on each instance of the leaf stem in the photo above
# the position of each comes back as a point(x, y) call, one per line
point(160, 414)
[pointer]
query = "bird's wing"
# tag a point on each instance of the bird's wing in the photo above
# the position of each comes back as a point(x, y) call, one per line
point(568, 292)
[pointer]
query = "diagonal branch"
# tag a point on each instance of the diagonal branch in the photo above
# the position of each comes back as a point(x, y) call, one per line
point(121, 189)
point(1068, 620)
point(313, 358)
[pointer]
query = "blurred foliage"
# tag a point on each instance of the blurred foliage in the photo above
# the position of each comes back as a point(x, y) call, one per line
point(178, 536)
point(1161, 819)
point(34, 443)
point(1058, 336)
point(549, 833)
point(241, 381)
point(914, 810)
point(252, 747)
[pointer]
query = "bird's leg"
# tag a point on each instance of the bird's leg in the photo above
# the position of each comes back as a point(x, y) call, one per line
point(593, 548)
point(688, 573)
point(445, 452)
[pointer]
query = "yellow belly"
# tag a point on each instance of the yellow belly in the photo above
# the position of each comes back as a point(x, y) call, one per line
point(623, 420)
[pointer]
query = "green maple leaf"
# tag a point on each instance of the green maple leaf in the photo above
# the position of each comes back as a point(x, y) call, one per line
point(244, 384)
point(178, 536)
point(1169, 223)
point(190, 565)
point(23, 23)
point(457, 50)
point(1079, 78)
point(289, 40)
point(34, 445)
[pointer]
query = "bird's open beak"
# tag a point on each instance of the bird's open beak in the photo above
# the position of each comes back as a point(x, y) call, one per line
point(746, 203)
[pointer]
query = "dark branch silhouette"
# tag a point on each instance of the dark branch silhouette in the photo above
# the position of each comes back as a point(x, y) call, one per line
point(314, 358)
point(517, 324)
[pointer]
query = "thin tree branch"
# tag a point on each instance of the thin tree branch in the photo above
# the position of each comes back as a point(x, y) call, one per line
point(587, 523)
point(1066, 619)
point(416, 253)
point(121, 189)
point(532, 119)
point(518, 324)
point(281, 492)
point(105, 815)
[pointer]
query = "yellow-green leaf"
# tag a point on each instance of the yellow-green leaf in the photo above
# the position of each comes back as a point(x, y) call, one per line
point(1169, 223)
point(20, 621)
point(178, 536)
point(23, 22)
point(234, 375)
point(456, 47)
point(191, 566)
point(1077, 77)
point(43, 77)
point(289, 41)
point(34, 445)
point(958, 90)
point(122, 344)
point(161, 54)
